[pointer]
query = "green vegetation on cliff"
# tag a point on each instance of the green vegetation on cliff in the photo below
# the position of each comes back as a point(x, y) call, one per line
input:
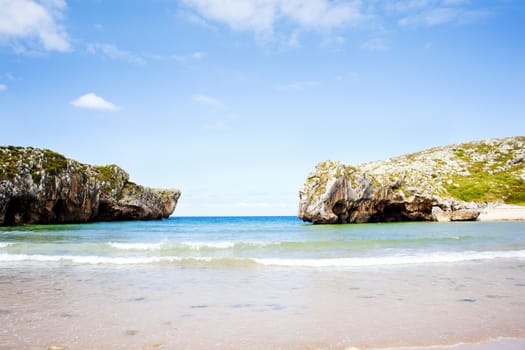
point(442, 183)
point(481, 171)
point(54, 162)
point(43, 186)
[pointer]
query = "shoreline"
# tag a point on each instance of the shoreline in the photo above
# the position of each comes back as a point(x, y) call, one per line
point(502, 212)
point(500, 343)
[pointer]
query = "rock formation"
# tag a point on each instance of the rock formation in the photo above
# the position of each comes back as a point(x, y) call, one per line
point(42, 186)
point(440, 184)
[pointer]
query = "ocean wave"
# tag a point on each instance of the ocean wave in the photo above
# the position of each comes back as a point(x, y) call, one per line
point(180, 246)
point(139, 260)
point(5, 244)
point(394, 260)
point(171, 246)
point(135, 246)
point(420, 259)
point(208, 245)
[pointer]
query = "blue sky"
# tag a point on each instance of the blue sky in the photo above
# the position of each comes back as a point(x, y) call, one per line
point(234, 102)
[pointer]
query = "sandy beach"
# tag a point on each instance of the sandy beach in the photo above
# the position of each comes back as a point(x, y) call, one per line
point(429, 307)
point(502, 212)
point(263, 284)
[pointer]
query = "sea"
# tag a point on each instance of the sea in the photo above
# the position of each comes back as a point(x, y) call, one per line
point(262, 283)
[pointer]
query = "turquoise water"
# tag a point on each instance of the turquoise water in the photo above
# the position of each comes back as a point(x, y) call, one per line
point(261, 283)
point(261, 241)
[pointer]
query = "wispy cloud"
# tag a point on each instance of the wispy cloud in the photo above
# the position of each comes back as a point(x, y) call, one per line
point(430, 13)
point(207, 100)
point(278, 19)
point(260, 16)
point(438, 16)
point(321, 13)
point(113, 52)
point(3, 87)
point(92, 101)
point(194, 56)
point(256, 15)
point(22, 22)
point(297, 86)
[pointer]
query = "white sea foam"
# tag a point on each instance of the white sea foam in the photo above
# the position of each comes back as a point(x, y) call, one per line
point(421, 259)
point(187, 245)
point(5, 244)
point(135, 246)
point(96, 260)
point(207, 245)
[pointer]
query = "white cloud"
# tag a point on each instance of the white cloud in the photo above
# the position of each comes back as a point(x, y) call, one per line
point(297, 86)
point(23, 20)
point(207, 101)
point(256, 15)
point(92, 101)
point(115, 53)
point(3, 87)
point(321, 13)
point(260, 15)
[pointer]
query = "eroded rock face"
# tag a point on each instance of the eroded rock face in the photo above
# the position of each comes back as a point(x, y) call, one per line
point(41, 186)
point(440, 184)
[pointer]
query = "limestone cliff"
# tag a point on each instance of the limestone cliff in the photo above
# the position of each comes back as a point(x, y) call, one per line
point(440, 184)
point(42, 186)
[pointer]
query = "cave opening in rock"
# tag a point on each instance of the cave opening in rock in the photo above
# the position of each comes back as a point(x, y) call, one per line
point(58, 210)
point(394, 213)
point(338, 208)
point(17, 211)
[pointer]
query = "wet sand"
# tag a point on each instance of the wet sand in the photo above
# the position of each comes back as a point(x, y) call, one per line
point(148, 307)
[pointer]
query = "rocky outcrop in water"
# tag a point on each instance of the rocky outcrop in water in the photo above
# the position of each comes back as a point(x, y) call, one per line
point(42, 186)
point(451, 183)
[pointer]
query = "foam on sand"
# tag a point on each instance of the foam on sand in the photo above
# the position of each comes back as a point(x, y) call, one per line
point(431, 258)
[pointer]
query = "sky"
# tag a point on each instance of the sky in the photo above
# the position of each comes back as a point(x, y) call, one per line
point(236, 101)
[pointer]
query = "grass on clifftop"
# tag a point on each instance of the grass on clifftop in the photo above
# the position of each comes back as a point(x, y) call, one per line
point(482, 187)
point(15, 159)
point(54, 162)
point(494, 173)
